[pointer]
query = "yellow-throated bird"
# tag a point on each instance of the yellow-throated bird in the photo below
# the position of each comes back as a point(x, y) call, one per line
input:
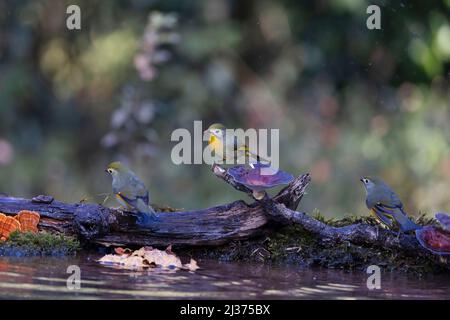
point(386, 205)
point(131, 192)
point(229, 147)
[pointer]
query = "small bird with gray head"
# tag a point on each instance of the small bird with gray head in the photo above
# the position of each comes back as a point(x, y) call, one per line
point(131, 192)
point(229, 147)
point(384, 203)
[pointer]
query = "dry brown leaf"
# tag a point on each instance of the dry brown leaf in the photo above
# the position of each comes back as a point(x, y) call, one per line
point(169, 249)
point(139, 253)
point(163, 259)
point(146, 257)
point(120, 251)
point(192, 265)
point(112, 259)
point(134, 262)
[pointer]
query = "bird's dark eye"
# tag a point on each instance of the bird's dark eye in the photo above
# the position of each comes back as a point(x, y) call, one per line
point(366, 181)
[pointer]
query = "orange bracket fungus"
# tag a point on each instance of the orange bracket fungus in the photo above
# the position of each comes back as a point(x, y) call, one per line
point(24, 221)
point(7, 226)
point(28, 220)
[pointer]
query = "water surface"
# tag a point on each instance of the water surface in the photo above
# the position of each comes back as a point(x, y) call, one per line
point(46, 278)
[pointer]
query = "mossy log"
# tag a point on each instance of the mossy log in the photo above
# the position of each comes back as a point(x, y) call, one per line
point(94, 223)
point(214, 226)
point(357, 234)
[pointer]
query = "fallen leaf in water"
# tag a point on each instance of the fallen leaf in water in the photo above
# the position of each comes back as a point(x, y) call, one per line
point(146, 257)
point(112, 259)
point(120, 251)
point(192, 265)
point(139, 253)
point(162, 258)
point(169, 249)
point(134, 262)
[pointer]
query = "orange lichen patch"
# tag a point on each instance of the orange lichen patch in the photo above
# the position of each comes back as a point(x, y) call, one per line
point(120, 251)
point(7, 226)
point(28, 220)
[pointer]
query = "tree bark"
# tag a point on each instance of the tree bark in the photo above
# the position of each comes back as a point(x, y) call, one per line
point(218, 225)
point(207, 227)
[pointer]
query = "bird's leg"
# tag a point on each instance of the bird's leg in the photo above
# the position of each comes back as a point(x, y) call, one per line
point(106, 197)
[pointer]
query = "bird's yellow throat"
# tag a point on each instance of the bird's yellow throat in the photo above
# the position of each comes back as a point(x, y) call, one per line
point(214, 142)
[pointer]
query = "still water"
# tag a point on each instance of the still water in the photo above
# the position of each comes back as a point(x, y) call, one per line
point(46, 278)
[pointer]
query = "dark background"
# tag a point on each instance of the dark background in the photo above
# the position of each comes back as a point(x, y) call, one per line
point(348, 101)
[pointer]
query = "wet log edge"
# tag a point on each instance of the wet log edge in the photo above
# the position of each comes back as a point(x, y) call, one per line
point(213, 226)
point(96, 224)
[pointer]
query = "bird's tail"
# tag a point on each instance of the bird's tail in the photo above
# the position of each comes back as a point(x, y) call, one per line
point(388, 214)
point(146, 213)
point(405, 223)
point(150, 212)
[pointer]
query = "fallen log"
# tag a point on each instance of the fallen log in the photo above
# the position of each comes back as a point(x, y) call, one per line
point(97, 224)
point(282, 209)
point(214, 226)
point(358, 234)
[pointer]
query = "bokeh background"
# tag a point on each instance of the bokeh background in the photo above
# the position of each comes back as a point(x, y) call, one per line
point(348, 101)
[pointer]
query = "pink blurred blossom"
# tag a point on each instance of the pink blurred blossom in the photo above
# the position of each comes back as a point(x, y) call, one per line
point(6, 152)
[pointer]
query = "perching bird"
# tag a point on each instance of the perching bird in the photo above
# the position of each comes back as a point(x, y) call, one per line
point(386, 205)
point(131, 192)
point(229, 147)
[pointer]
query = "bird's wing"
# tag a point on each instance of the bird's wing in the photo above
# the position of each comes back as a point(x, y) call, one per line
point(382, 215)
point(240, 146)
point(234, 143)
point(385, 198)
point(147, 213)
point(396, 214)
point(138, 188)
point(132, 192)
point(395, 200)
point(129, 199)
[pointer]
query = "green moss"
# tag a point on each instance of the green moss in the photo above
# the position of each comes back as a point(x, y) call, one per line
point(37, 244)
point(294, 245)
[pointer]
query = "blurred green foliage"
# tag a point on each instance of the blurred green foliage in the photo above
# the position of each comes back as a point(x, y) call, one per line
point(348, 101)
